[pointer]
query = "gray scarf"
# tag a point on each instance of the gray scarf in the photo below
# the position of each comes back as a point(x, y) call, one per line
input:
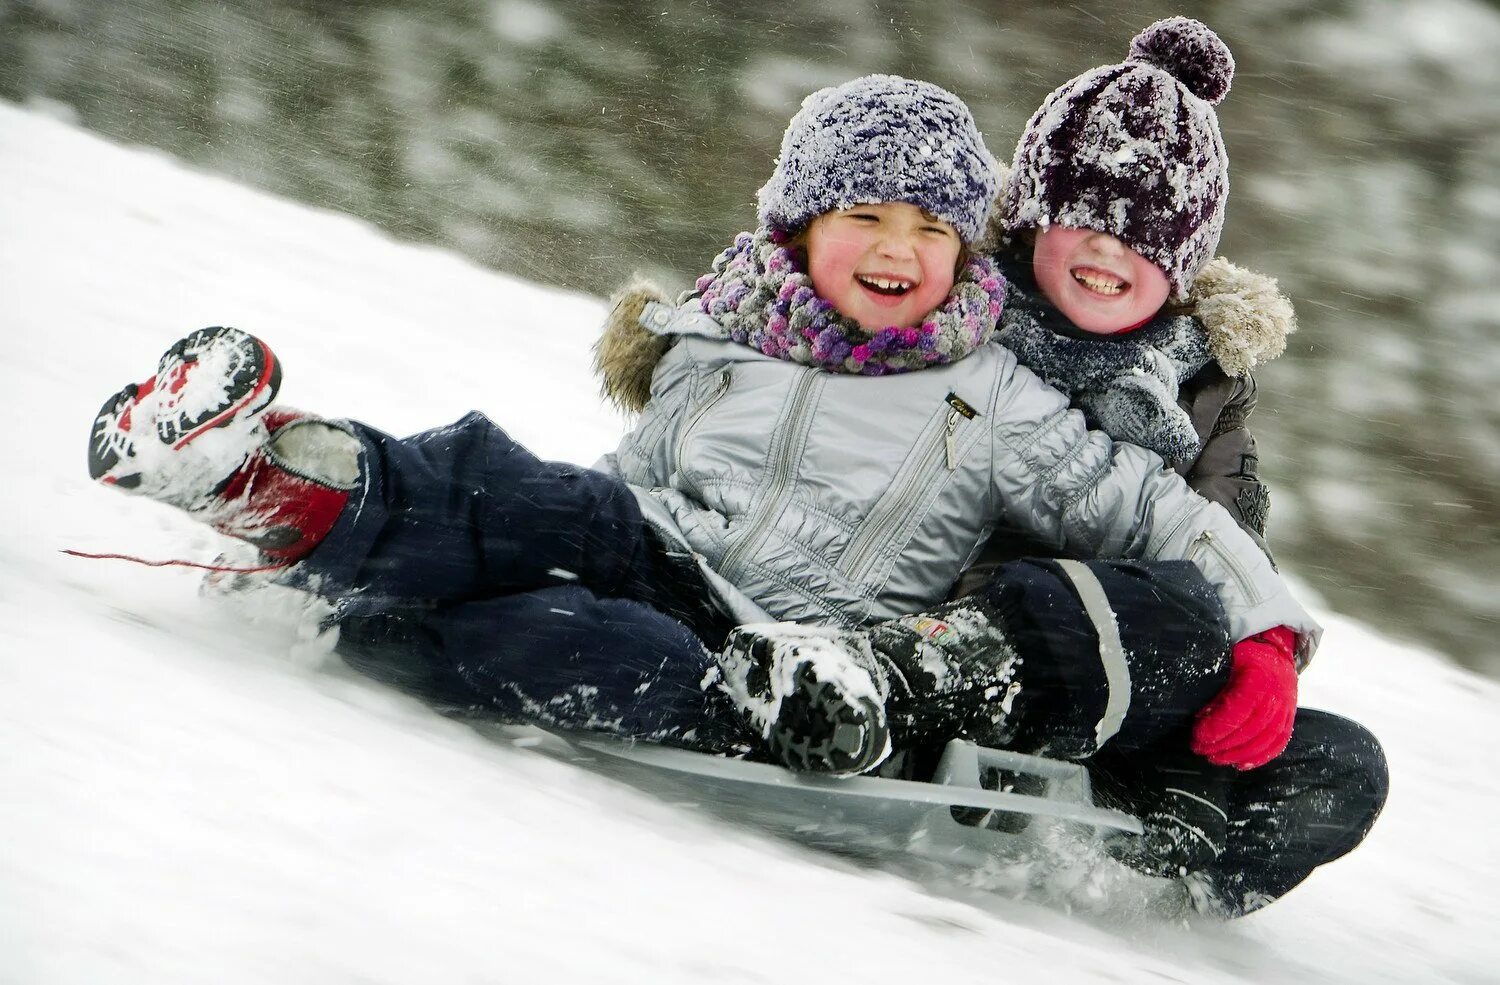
point(1126, 385)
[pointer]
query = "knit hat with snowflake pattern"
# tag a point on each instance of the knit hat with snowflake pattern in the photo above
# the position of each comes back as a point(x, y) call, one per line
point(881, 138)
point(1134, 150)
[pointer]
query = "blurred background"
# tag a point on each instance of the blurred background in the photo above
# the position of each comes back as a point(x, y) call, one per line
point(575, 142)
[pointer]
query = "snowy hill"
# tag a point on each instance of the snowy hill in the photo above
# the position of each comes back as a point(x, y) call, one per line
point(194, 790)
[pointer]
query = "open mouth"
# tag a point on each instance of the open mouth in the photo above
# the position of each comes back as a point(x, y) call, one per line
point(890, 287)
point(1100, 282)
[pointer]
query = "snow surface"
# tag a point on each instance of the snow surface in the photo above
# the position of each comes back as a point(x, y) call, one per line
point(195, 790)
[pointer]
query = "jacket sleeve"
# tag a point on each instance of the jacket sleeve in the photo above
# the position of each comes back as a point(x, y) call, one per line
point(1227, 470)
point(1078, 491)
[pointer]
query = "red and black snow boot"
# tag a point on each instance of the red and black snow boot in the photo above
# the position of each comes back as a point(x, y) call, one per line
point(198, 436)
point(181, 432)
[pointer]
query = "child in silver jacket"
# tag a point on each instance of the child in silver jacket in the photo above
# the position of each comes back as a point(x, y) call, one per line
point(835, 467)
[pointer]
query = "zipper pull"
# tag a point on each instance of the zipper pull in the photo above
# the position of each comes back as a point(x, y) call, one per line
point(960, 409)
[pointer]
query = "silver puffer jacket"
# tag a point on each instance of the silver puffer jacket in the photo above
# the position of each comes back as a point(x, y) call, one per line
point(819, 497)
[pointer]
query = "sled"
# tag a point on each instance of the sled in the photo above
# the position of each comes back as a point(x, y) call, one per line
point(956, 818)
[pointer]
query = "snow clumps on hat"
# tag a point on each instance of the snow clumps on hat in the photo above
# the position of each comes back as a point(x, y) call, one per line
point(881, 138)
point(1134, 150)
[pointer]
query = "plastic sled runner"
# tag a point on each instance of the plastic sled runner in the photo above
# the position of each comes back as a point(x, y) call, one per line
point(956, 818)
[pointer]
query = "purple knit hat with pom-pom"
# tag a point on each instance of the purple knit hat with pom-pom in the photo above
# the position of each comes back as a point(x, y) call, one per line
point(881, 138)
point(1134, 150)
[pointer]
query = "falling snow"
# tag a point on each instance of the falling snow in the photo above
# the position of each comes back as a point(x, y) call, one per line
point(196, 790)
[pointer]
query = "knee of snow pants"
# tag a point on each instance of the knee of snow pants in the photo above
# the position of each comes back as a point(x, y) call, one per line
point(464, 512)
point(1312, 804)
point(559, 657)
point(1116, 652)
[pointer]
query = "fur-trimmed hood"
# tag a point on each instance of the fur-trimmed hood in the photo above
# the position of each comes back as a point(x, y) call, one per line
point(1246, 316)
point(626, 354)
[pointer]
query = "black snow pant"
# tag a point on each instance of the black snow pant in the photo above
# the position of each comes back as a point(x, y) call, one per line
point(1312, 804)
point(1118, 686)
point(1114, 654)
point(469, 572)
point(1059, 658)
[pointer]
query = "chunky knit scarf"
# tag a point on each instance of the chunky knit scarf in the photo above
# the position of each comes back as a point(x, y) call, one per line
point(1127, 384)
point(760, 294)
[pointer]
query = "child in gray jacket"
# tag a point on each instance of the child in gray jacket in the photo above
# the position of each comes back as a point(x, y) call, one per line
point(834, 448)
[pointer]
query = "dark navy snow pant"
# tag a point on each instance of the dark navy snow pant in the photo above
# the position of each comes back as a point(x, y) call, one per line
point(1312, 804)
point(470, 572)
point(1114, 653)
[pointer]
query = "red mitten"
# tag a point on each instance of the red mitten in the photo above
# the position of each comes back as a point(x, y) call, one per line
point(1249, 722)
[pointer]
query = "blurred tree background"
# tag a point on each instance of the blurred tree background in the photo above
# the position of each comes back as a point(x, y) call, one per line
point(575, 142)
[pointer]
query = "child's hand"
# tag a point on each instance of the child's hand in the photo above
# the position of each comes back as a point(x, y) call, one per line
point(1249, 722)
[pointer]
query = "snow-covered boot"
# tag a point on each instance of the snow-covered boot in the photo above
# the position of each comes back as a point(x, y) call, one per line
point(291, 489)
point(953, 672)
point(836, 701)
point(198, 436)
point(814, 695)
point(179, 434)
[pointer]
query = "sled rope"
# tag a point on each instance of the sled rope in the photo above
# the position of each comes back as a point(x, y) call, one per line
point(225, 568)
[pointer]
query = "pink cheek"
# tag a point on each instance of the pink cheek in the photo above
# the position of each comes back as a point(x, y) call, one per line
point(816, 270)
point(932, 294)
point(1152, 285)
point(937, 279)
point(1053, 284)
point(831, 268)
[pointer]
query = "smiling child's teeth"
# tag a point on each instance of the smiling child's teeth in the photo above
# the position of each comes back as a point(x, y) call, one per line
point(886, 285)
point(1103, 287)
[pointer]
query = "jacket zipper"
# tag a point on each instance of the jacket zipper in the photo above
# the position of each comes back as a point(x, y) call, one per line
point(863, 547)
point(1209, 542)
point(950, 439)
point(713, 398)
point(729, 566)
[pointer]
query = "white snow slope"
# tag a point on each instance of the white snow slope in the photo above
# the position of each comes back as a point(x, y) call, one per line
point(190, 791)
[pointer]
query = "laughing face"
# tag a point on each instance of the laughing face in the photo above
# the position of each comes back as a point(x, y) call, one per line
point(1099, 283)
point(886, 265)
